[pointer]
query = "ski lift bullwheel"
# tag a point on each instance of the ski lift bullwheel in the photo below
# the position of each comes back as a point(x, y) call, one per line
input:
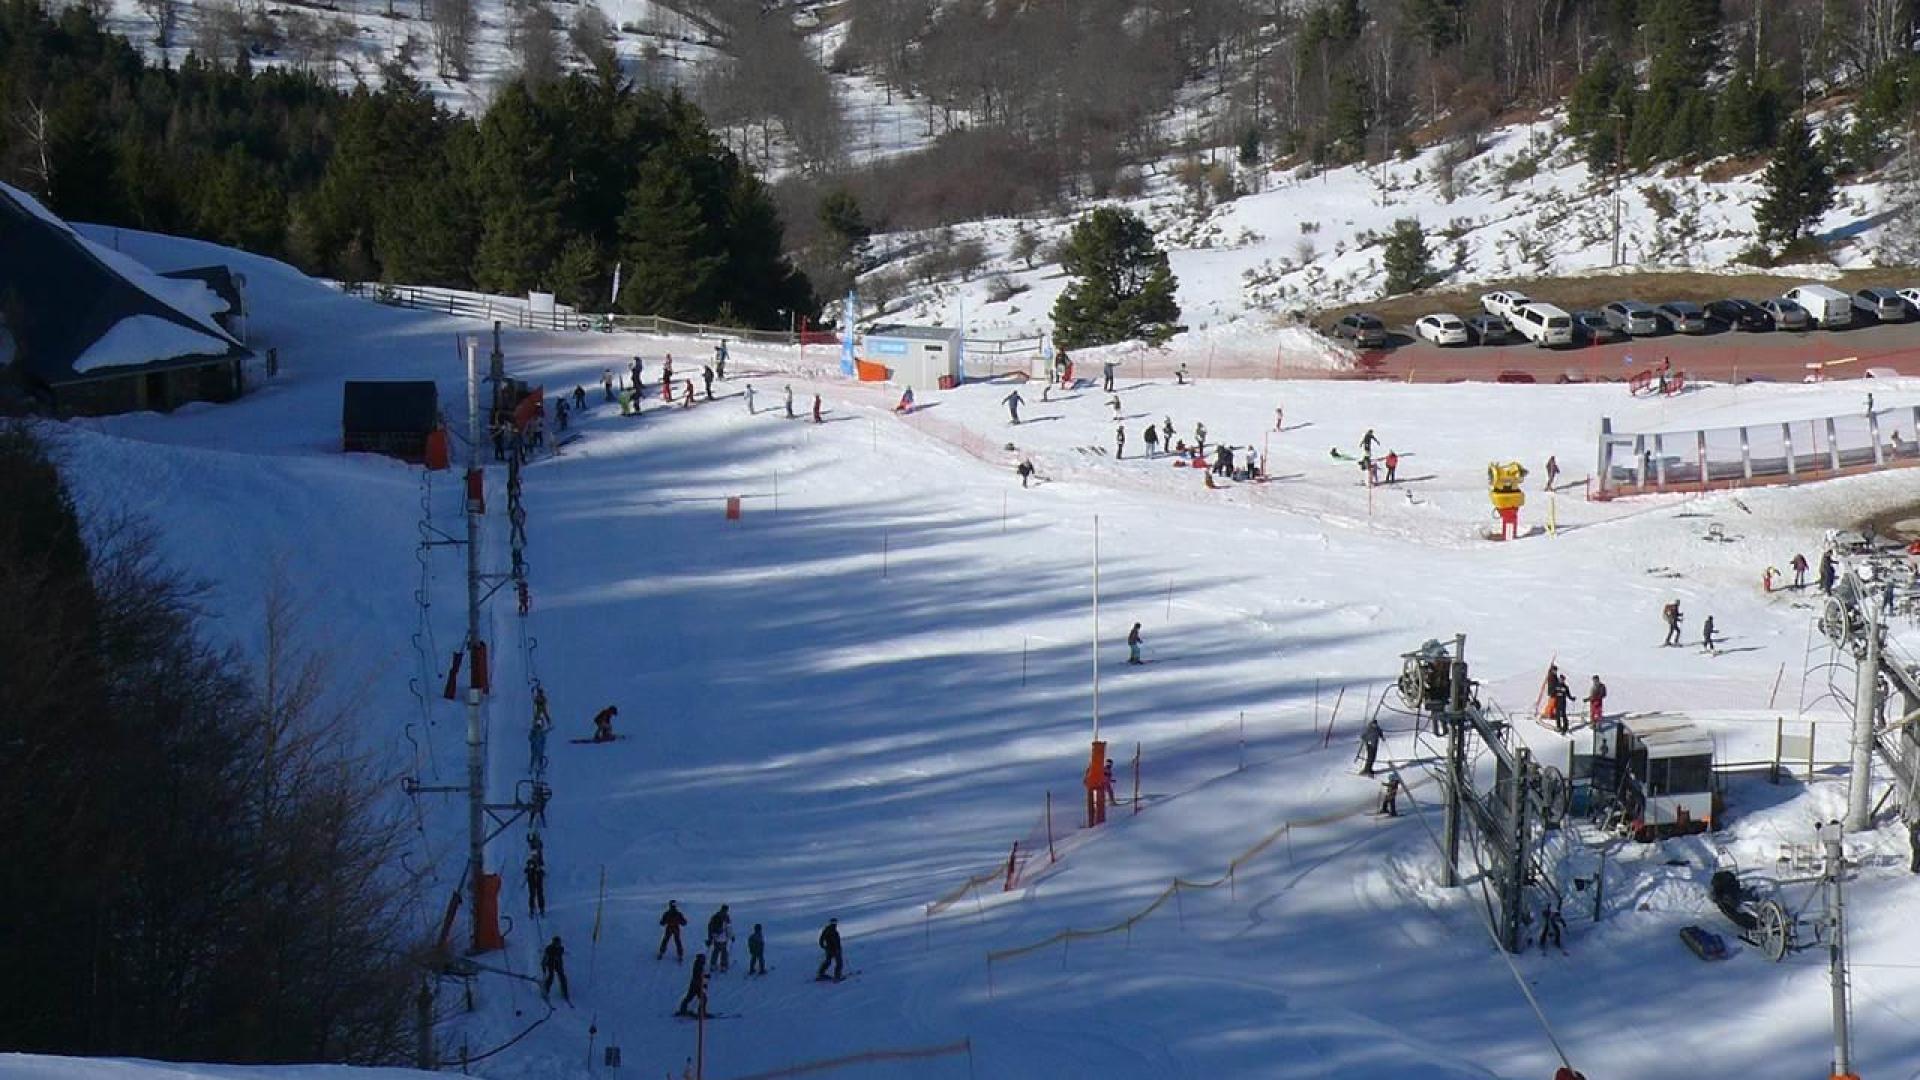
point(1772, 929)
point(1555, 796)
point(1413, 683)
point(1837, 622)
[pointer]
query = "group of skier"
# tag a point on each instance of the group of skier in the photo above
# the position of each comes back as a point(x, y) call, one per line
point(716, 957)
point(1673, 616)
point(1558, 694)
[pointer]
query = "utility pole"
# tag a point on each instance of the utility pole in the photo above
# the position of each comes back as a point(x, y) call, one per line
point(1866, 689)
point(1456, 759)
point(1837, 951)
point(476, 662)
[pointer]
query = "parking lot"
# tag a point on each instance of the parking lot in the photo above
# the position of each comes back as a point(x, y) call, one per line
point(1778, 356)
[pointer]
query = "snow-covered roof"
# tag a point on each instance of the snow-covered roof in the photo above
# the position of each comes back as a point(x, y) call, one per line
point(1670, 736)
point(79, 310)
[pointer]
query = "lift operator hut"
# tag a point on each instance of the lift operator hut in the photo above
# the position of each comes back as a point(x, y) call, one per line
point(921, 357)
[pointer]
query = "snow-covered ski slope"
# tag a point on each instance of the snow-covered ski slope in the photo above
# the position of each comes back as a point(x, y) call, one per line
point(852, 699)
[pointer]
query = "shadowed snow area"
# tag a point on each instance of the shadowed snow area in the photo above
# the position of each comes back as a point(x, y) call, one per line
point(861, 693)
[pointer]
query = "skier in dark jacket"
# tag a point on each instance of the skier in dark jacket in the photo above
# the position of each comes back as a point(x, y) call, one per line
point(706, 374)
point(1152, 438)
point(696, 988)
point(553, 965)
point(671, 920)
point(1390, 798)
point(1799, 565)
point(1672, 614)
point(579, 398)
point(1561, 696)
point(1369, 745)
point(603, 724)
point(1826, 572)
point(719, 933)
point(756, 952)
point(536, 875)
point(832, 954)
point(1133, 645)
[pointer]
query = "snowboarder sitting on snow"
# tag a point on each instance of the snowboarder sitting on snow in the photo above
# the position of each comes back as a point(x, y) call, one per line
point(671, 920)
point(719, 933)
point(1133, 645)
point(756, 952)
point(832, 952)
point(603, 723)
point(553, 965)
point(1672, 614)
point(696, 988)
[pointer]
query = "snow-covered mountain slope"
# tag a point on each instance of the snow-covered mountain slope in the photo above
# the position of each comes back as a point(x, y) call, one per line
point(1304, 241)
point(863, 692)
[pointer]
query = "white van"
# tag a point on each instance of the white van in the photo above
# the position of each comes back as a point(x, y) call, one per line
point(1828, 307)
point(1542, 324)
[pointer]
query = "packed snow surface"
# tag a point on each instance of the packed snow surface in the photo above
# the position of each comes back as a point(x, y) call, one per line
point(862, 693)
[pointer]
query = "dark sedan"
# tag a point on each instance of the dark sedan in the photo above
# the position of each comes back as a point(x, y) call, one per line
point(1739, 315)
point(1488, 330)
point(1591, 327)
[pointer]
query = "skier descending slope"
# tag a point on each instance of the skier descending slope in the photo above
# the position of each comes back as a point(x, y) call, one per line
point(831, 951)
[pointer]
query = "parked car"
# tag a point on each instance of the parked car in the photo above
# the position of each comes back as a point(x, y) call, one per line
point(1828, 308)
point(1442, 328)
point(1489, 330)
point(1362, 329)
point(1593, 328)
point(1739, 315)
point(1501, 302)
point(1884, 305)
point(1786, 314)
point(1542, 324)
point(1684, 316)
point(1633, 318)
point(1912, 297)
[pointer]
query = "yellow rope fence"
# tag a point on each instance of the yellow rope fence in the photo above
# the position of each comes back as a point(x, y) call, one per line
point(964, 1046)
point(1172, 890)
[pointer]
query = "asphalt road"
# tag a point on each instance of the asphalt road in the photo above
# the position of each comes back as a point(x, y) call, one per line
point(1777, 356)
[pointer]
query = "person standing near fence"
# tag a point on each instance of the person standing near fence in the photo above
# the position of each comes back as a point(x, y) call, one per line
point(720, 358)
point(1106, 375)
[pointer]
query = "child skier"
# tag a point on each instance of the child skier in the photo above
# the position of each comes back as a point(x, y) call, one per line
point(756, 952)
point(719, 933)
point(696, 988)
point(1133, 645)
point(671, 920)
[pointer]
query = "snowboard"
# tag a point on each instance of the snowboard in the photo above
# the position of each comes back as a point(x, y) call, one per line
point(710, 1016)
point(830, 979)
point(590, 741)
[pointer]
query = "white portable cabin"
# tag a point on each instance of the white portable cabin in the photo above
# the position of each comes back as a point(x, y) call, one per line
point(920, 357)
point(1671, 765)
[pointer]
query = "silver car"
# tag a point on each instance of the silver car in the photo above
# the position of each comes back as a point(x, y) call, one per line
point(1685, 317)
point(1885, 305)
point(1786, 314)
point(1633, 318)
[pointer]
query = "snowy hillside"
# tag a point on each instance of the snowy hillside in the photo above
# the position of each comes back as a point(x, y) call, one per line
point(1305, 241)
point(862, 693)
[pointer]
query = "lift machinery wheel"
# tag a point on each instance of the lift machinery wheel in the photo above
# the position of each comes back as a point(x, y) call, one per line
point(1773, 929)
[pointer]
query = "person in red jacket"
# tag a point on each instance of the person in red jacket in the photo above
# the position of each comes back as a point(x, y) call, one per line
point(671, 920)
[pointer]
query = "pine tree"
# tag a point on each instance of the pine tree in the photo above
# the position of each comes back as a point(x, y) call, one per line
point(1408, 262)
point(1122, 288)
point(1799, 188)
point(518, 183)
point(664, 244)
point(846, 227)
point(576, 274)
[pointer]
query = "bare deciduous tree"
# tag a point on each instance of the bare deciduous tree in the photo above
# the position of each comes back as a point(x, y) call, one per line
point(165, 16)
